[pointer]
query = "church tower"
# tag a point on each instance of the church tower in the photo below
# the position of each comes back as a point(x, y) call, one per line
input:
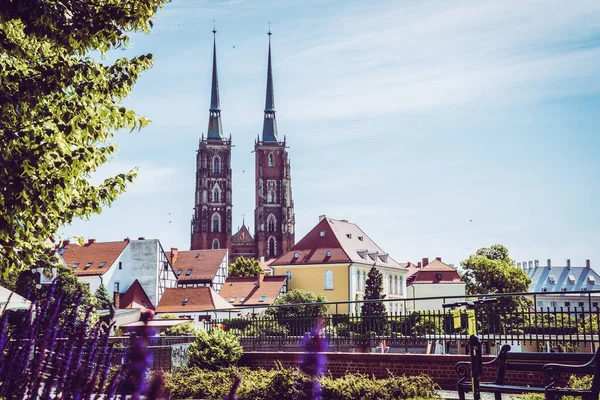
point(274, 213)
point(211, 222)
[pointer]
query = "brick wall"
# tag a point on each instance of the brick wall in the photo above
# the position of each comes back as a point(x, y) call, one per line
point(439, 367)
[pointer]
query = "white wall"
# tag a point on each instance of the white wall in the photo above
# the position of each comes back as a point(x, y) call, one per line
point(386, 272)
point(419, 290)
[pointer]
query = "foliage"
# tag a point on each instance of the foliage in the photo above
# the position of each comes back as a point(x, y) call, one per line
point(298, 318)
point(287, 383)
point(373, 313)
point(575, 382)
point(214, 349)
point(491, 271)
point(66, 287)
point(185, 329)
point(168, 316)
point(244, 268)
point(103, 300)
point(59, 109)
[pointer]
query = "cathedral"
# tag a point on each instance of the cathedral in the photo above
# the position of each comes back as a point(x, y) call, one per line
point(274, 207)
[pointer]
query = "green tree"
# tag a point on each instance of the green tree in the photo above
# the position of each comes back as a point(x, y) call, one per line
point(491, 271)
point(59, 108)
point(244, 268)
point(104, 302)
point(373, 313)
point(214, 349)
point(182, 330)
point(299, 317)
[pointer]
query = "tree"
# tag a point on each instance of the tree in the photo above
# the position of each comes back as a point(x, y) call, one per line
point(214, 349)
point(298, 318)
point(59, 108)
point(244, 268)
point(104, 302)
point(373, 313)
point(491, 271)
point(184, 329)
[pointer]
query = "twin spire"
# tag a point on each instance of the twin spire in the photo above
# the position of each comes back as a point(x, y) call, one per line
point(215, 127)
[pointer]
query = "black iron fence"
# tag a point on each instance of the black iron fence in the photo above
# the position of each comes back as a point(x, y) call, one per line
point(570, 322)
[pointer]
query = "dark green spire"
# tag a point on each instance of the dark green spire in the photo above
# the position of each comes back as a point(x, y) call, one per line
point(270, 125)
point(215, 128)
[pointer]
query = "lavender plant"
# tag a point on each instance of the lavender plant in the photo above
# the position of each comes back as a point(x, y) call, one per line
point(313, 362)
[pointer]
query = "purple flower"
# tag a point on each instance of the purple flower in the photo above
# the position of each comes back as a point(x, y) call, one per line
point(313, 362)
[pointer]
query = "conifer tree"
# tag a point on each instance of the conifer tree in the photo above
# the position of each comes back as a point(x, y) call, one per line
point(373, 313)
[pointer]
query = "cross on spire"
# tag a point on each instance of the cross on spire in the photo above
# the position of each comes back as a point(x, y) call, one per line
point(214, 26)
point(269, 33)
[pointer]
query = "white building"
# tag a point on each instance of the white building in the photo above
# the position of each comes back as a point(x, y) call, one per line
point(432, 279)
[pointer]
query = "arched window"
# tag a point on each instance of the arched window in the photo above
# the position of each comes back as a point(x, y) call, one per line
point(271, 160)
point(216, 194)
point(271, 223)
point(215, 244)
point(364, 280)
point(396, 285)
point(390, 284)
point(272, 246)
point(216, 164)
point(357, 280)
point(271, 196)
point(216, 223)
point(329, 279)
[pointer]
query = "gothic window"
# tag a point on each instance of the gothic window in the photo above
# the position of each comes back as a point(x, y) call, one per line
point(271, 160)
point(204, 197)
point(216, 194)
point(215, 244)
point(271, 196)
point(216, 223)
point(329, 279)
point(271, 244)
point(216, 164)
point(271, 223)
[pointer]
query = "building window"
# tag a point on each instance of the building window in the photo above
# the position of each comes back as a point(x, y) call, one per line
point(185, 301)
point(117, 286)
point(540, 303)
point(216, 164)
point(395, 285)
point(581, 303)
point(120, 265)
point(215, 244)
point(88, 265)
point(216, 194)
point(102, 264)
point(438, 276)
point(179, 271)
point(233, 299)
point(553, 304)
point(272, 246)
point(399, 285)
point(271, 160)
point(75, 265)
point(364, 280)
point(329, 279)
point(262, 299)
point(216, 223)
point(288, 274)
point(188, 272)
point(567, 304)
point(390, 284)
point(271, 222)
point(242, 299)
point(357, 280)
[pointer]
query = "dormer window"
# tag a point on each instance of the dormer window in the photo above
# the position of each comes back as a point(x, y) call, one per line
point(349, 236)
point(591, 279)
point(179, 271)
point(552, 279)
point(544, 289)
point(563, 289)
point(75, 265)
point(296, 255)
point(438, 276)
point(362, 254)
point(262, 299)
point(233, 299)
point(242, 299)
point(328, 254)
point(102, 264)
point(185, 301)
point(88, 265)
point(188, 272)
point(571, 279)
point(322, 233)
point(360, 238)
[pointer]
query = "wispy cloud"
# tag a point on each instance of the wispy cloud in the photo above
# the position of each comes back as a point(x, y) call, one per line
point(151, 178)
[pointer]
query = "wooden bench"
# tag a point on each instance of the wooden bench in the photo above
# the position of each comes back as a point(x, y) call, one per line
point(551, 365)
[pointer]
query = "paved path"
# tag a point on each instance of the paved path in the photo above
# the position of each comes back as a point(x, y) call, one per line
point(453, 395)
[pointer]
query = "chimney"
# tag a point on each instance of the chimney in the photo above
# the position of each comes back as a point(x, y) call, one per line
point(419, 264)
point(530, 264)
point(518, 265)
point(91, 241)
point(126, 239)
point(66, 242)
point(322, 217)
point(549, 264)
point(261, 277)
point(568, 264)
point(141, 238)
point(439, 259)
point(588, 264)
point(425, 261)
point(536, 263)
point(173, 255)
point(116, 299)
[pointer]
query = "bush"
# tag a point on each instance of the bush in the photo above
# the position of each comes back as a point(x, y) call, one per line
point(289, 384)
point(214, 349)
point(186, 329)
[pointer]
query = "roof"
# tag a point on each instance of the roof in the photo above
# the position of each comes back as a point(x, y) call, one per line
point(434, 272)
point(17, 302)
point(574, 279)
point(203, 264)
point(246, 291)
point(135, 297)
point(198, 299)
point(269, 133)
point(92, 252)
point(242, 236)
point(158, 323)
point(334, 241)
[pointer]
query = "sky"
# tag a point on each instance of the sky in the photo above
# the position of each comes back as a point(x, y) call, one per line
point(437, 127)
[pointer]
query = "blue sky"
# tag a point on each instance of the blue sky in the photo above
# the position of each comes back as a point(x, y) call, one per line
point(410, 119)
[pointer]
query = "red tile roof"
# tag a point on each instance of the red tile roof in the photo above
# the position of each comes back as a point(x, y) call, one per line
point(199, 299)
point(92, 252)
point(430, 274)
point(135, 297)
point(203, 264)
point(248, 292)
point(334, 241)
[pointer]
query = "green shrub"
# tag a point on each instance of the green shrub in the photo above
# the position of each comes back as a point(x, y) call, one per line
point(214, 349)
point(182, 330)
point(585, 382)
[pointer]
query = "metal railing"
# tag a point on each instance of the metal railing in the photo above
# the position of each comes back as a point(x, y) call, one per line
point(516, 318)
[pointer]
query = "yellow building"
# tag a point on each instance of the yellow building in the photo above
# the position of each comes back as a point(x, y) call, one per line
point(334, 259)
